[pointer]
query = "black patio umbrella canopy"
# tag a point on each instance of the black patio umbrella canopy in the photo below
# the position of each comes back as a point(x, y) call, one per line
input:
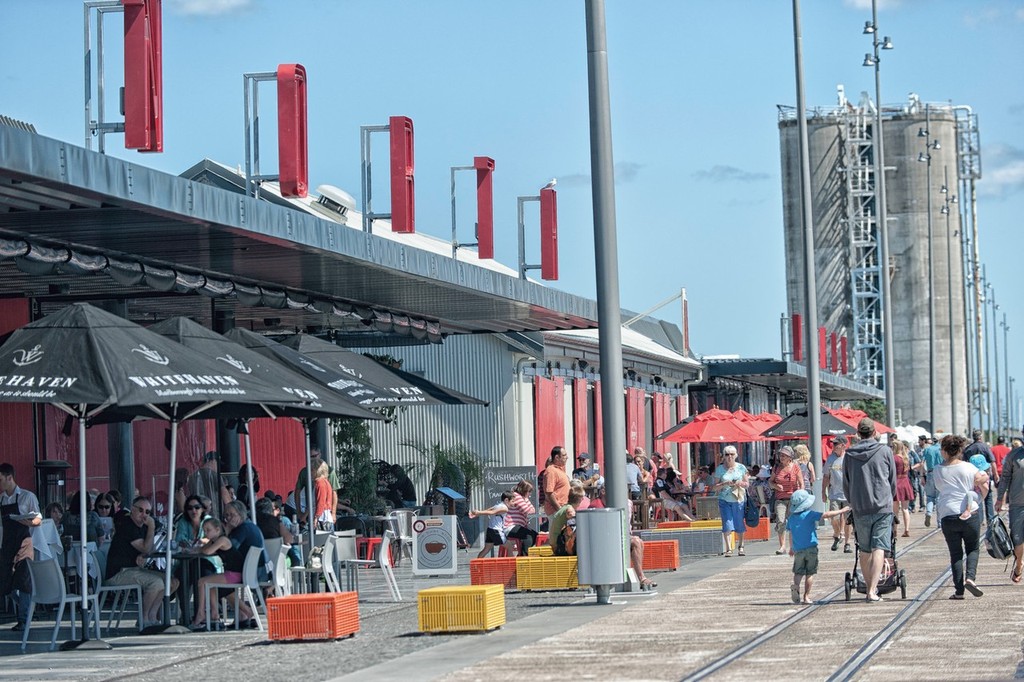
point(797, 425)
point(86, 361)
point(403, 388)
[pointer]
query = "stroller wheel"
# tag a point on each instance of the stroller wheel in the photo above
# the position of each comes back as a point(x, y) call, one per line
point(903, 584)
point(848, 586)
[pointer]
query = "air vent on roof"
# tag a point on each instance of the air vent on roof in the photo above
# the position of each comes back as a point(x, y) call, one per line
point(15, 123)
point(335, 201)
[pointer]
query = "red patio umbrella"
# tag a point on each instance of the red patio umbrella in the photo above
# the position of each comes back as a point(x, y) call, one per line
point(715, 426)
point(853, 417)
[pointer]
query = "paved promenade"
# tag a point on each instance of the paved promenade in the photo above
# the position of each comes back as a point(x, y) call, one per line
point(716, 618)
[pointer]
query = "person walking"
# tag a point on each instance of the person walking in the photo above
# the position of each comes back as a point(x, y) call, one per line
point(869, 484)
point(731, 483)
point(1011, 492)
point(802, 456)
point(904, 490)
point(19, 510)
point(803, 528)
point(785, 480)
point(932, 456)
point(980, 447)
point(960, 486)
point(832, 485)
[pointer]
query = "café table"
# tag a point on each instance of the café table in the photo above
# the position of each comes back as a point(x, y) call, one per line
point(188, 590)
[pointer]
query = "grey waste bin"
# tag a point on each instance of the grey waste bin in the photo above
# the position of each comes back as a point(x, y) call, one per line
point(602, 548)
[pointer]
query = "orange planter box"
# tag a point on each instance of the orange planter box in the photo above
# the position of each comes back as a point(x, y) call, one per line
point(500, 571)
point(329, 615)
point(670, 525)
point(661, 555)
point(763, 530)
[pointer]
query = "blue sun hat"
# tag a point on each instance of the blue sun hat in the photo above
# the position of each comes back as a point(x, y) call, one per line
point(800, 502)
point(980, 462)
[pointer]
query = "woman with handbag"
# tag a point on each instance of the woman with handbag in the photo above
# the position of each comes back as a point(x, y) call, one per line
point(731, 483)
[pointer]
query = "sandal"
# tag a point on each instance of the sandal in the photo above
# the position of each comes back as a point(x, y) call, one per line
point(956, 597)
point(647, 584)
point(972, 588)
point(1018, 570)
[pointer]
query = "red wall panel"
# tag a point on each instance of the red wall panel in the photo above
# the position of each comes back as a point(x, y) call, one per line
point(278, 452)
point(683, 449)
point(580, 411)
point(598, 427)
point(635, 418)
point(660, 417)
point(548, 417)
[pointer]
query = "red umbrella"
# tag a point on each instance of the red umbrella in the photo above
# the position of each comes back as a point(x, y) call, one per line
point(853, 417)
point(715, 426)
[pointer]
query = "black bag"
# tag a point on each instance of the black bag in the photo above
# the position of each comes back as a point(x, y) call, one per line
point(752, 512)
point(565, 544)
point(997, 539)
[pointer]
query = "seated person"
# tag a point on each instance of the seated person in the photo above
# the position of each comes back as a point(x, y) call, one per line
point(517, 521)
point(132, 542)
point(215, 543)
point(495, 534)
point(273, 525)
point(663, 488)
point(188, 532)
point(93, 527)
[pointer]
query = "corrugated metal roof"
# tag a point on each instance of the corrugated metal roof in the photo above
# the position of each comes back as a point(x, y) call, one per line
point(59, 195)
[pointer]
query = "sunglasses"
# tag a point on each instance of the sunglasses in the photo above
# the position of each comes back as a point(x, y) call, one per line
point(194, 507)
point(145, 510)
point(103, 506)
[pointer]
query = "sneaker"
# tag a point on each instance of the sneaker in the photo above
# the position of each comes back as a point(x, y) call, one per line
point(18, 627)
point(847, 549)
point(835, 544)
point(927, 520)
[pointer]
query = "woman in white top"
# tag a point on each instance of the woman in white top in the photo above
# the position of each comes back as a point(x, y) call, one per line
point(960, 485)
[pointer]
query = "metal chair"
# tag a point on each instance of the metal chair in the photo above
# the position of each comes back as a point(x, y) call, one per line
point(382, 561)
point(403, 531)
point(48, 588)
point(249, 586)
point(119, 592)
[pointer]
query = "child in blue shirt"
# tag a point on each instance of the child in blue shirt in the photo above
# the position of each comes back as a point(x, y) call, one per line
point(803, 530)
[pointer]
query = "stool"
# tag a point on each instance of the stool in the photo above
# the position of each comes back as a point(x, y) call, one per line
point(365, 547)
point(517, 546)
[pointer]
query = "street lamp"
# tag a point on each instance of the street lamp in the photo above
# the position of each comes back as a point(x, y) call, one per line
point(926, 157)
point(995, 354)
point(1006, 368)
point(873, 59)
point(950, 199)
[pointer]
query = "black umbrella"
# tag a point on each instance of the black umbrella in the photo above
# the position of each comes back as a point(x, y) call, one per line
point(321, 402)
point(677, 427)
point(86, 361)
point(401, 387)
point(797, 425)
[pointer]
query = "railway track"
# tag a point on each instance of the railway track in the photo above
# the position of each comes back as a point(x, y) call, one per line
point(800, 629)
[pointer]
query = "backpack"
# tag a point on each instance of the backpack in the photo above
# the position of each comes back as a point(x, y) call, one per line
point(997, 539)
point(565, 544)
point(752, 512)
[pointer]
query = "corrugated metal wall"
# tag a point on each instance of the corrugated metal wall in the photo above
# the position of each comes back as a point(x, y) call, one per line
point(479, 365)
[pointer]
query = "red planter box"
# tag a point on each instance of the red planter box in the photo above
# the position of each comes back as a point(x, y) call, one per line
point(500, 571)
point(661, 555)
point(313, 616)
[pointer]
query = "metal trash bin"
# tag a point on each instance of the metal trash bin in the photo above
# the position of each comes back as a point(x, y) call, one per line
point(602, 549)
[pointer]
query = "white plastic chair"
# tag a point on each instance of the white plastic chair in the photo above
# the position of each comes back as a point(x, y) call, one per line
point(249, 586)
point(122, 593)
point(383, 562)
point(403, 527)
point(282, 585)
point(272, 547)
point(48, 588)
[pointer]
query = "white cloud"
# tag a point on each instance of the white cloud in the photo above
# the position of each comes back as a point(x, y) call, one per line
point(209, 7)
point(1002, 171)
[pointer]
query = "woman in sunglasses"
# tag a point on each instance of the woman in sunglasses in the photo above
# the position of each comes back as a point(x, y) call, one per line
point(188, 532)
point(93, 527)
point(105, 510)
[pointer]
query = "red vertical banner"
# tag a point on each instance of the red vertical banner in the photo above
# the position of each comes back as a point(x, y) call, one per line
point(834, 348)
point(548, 417)
point(403, 185)
point(143, 76)
point(843, 356)
point(660, 416)
point(683, 449)
point(292, 137)
point(484, 206)
point(598, 427)
point(798, 337)
point(635, 419)
point(548, 234)
point(580, 412)
point(822, 354)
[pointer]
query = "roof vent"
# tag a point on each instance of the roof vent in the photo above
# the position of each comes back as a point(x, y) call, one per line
point(334, 201)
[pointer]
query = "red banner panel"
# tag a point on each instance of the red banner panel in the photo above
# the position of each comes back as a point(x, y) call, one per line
point(580, 412)
point(143, 76)
point(660, 416)
point(683, 449)
point(292, 137)
point(598, 452)
point(403, 186)
point(843, 356)
point(635, 419)
point(548, 234)
point(822, 355)
point(798, 337)
point(484, 206)
point(834, 349)
point(548, 417)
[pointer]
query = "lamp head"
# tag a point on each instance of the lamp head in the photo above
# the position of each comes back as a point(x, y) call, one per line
point(869, 28)
point(886, 43)
point(922, 132)
point(869, 60)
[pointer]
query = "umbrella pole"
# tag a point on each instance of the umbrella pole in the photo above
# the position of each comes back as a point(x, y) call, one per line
point(167, 628)
point(310, 499)
point(83, 558)
point(243, 427)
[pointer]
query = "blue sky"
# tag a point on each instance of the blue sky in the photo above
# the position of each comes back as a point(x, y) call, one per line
point(694, 89)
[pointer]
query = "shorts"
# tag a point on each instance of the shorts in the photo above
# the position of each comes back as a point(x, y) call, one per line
point(149, 581)
point(493, 537)
point(836, 505)
point(1017, 525)
point(873, 531)
point(781, 513)
point(805, 561)
point(732, 516)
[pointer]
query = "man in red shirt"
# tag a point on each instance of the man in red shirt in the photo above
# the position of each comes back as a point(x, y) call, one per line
point(556, 481)
point(999, 451)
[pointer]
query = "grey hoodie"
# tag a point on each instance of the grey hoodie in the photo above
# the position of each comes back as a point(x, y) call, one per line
point(869, 477)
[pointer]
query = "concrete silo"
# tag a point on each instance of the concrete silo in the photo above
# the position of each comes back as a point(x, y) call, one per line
point(847, 266)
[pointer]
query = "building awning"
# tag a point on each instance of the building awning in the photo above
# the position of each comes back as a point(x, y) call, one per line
point(790, 377)
point(79, 225)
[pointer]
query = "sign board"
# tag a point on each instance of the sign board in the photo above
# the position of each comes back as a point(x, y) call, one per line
point(500, 479)
point(434, 549)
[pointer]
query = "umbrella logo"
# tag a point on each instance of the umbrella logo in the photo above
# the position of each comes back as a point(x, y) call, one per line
point(312, 365)
point(151, 355)
point(27, 357)
point(237, 364)
point(348, 370)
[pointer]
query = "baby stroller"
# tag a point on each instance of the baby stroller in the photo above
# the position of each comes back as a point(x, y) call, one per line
point(892, 575)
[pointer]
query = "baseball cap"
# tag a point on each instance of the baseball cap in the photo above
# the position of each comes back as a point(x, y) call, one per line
point(866, 427)
point(583, 455)
point(840, 440)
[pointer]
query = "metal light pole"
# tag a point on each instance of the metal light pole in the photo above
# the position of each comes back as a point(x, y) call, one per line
point(995, 356)
point(950, 199)
point(810, 285)
point(986, 288)
point(1006, 368)
point(926, 157)
point(882, 214)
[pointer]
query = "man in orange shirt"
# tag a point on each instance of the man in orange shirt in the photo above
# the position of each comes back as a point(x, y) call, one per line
point(556, 481)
